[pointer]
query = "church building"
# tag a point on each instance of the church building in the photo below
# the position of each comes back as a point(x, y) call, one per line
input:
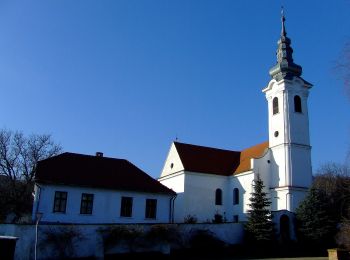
point(211, 181)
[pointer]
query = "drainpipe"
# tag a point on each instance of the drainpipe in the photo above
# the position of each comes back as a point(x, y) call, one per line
point(171, 212)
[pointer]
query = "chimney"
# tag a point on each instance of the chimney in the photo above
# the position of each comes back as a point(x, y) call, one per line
point(99, 154)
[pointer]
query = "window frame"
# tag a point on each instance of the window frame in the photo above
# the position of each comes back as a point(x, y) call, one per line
point(275, 106)
point(151, 209)
point(297, 104)
point(126, 204)
point(235, 196)
point(86, 203)
point(60, 202)
point(218, 197)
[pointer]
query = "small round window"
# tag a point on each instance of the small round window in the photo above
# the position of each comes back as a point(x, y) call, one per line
point(276, 133)
point(171, 165)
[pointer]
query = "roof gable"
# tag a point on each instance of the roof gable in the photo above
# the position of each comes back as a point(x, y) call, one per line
point(98, 172)
point(203, 159)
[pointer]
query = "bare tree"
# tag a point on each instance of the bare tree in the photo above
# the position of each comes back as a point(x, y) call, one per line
point(19, 156)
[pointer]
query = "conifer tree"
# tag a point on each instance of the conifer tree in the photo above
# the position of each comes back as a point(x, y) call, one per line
point(259, 227)
point(316, 224)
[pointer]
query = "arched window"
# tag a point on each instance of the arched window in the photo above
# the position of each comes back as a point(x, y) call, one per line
point(218, 197)
point(275, 105)
point(297, 104)
point(235, 196)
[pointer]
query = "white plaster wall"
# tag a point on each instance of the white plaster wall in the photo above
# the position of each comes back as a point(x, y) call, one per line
point(275, 121)
point(292, 127)
point(289, 198)
point(176, 182)
point(92, 244)
point(278, 167)
point(172, 163)
point(106, 206)
point(199, 196)
point(243, 182)
point(301, 166)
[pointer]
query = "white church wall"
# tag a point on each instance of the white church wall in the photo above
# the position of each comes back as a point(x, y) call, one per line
point(301, 162)
point(243, 182)
point(289, 198)
point(298, 121)
point(176, 182)
point(199, 196)
point(279, 168)
point(106, 206)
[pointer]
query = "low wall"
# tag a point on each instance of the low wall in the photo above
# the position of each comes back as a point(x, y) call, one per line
point(88, 241)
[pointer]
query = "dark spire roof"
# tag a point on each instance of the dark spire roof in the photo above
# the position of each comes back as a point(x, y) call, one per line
point(285, 67)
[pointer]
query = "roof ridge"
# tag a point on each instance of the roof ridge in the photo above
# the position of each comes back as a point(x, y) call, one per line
point(86, 155)
point(208, 147)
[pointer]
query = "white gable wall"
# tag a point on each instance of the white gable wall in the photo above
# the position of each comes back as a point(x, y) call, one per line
point(172, 163)
point(106, 206)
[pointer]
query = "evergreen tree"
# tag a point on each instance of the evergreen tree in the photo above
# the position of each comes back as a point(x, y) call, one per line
point(316, 225)
point(259, 227)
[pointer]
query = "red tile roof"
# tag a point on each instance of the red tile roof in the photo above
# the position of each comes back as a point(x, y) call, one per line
point(203, 159)
point(97, 172)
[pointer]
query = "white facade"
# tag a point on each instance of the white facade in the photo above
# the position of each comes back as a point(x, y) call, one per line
point(289, 141)
point(106, 205)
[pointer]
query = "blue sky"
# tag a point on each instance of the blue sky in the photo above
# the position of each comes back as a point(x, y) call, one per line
point(128, 77)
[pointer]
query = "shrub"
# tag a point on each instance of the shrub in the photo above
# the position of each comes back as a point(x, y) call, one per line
point(218, 218)
point(117, 234)
point(163, 233)
point(190, 219)
point(62, 240)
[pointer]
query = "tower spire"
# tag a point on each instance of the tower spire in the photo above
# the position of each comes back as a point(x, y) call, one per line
point(283, 19)
point(285, 67)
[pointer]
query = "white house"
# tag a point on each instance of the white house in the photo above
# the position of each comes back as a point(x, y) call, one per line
point(210, 180)
point(77, 188)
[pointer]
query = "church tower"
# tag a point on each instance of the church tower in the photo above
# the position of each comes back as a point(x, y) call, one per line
point(289, 140)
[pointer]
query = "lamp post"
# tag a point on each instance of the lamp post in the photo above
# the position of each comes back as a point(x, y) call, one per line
point(38, 217)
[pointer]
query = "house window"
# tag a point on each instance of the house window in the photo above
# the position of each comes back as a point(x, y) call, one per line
point(60, 202)
point(87, 201)
point(218, 197)
point(235, 218)
point(235, 196)
point(126, 207)
point(297, 104)
point(275, 105)
point(151, 208)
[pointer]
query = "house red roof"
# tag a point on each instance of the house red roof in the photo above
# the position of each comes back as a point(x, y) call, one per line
point(97, 172)
point(203, 159)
